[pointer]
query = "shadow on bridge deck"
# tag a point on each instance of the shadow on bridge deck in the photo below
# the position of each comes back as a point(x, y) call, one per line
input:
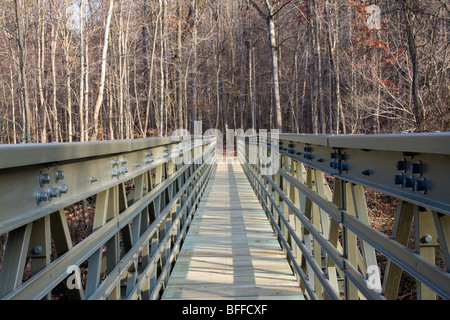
point(231, 251)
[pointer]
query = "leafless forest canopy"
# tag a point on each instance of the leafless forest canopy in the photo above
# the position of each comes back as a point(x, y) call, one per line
point(80, 70)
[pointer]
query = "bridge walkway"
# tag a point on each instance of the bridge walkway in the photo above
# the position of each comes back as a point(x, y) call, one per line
point(230, 251)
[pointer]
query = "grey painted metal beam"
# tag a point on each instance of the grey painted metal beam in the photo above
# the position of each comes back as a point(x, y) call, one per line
point(96, 167)
point(43, 153)
point(436, 142)
point(411, 167)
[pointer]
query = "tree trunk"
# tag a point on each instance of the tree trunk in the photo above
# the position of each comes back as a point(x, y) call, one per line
point(86, 92)
point(319, 69)
point(179, 68)
point(121, 74)
point(54, 36)
point(161, 107)
point(354, 126)
point(275, 69)
point(242, 100)
point(194, 66)
point(305, 124)
point(23, 82)
point(419, 111)
point(110, 107)
point(150, 84)
point(250, 85)
point(41, 66)
point(13, 95)
point(67, 58)
point(334, 64)
point(82, 66)
point(269, 17)
point(126, 76)
point(99, 101)
point(309, 71)
point(218, 48)
point(137, 95)
point(296, 104)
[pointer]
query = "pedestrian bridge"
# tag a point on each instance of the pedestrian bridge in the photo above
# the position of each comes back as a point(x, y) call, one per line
point(285, 217)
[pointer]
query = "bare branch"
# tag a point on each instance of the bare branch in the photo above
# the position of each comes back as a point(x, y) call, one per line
point(259, 10)
point(281, 7)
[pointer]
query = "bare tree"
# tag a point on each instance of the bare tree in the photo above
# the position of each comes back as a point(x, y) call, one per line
point(99, 101)
point(23, 80)
point(180, 64)
point(419, 111)
point(272, 9)
point(162, 93)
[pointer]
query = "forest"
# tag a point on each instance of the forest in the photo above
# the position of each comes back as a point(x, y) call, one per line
point(83, 70)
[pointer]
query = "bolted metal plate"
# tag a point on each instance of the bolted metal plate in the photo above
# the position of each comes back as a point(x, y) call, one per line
point(411, 167)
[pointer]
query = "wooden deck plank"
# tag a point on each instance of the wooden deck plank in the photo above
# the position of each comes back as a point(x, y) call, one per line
point(230, 251)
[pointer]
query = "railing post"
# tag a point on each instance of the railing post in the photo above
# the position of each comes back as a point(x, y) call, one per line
point(426, 244)
point(14, 258)
point(442, 223)
point(298, 172)
point(350, 243)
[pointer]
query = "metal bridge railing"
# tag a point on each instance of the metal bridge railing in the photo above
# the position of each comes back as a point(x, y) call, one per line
point(317, 206)
point(144, 200)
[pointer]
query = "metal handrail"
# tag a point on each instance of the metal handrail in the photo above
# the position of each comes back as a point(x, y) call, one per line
point(136, 233)
point(296, 194)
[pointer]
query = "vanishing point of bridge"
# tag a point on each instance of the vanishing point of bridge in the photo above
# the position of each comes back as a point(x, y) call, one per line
point(171, 218)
